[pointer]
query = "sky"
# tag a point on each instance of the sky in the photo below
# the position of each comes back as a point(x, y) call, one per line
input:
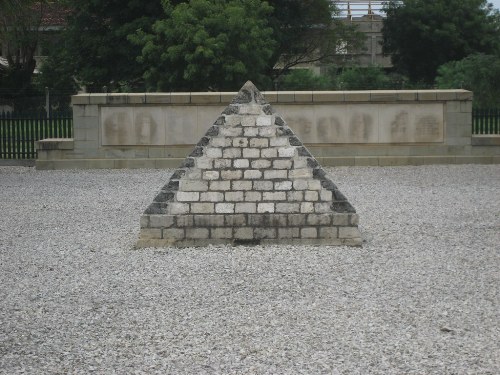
point(496, 3)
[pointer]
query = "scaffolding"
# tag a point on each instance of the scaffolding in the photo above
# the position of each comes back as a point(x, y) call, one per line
point(359, 8)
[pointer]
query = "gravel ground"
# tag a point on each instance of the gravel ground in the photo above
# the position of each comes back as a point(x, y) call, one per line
point(420, 297)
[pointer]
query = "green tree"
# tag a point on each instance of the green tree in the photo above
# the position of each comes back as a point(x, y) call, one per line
point(95, 49)
point(421, 35)
point(305, 79)
point(307, 31)
point(364, 78)
point(20, 22)
point(478, 73)
point(208, 45)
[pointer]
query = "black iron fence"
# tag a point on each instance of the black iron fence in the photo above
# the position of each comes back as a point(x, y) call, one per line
point(20, 131)
point(486, 121)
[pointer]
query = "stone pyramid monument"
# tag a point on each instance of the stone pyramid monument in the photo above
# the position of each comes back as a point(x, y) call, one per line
point(249, 180)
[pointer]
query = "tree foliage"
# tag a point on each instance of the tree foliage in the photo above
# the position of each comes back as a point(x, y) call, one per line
point(478, 73)
point(364, 78)
point(305, 79)
point(421, 35)
point(19, 28)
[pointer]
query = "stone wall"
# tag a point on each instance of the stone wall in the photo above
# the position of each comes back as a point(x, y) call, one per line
point(158, 130)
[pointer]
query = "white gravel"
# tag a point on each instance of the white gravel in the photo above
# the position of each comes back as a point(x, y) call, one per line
point(421, 296)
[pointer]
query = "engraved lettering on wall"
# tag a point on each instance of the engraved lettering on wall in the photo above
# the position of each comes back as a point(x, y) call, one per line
point(360, 128)
point(399, 127)
point(117, 126)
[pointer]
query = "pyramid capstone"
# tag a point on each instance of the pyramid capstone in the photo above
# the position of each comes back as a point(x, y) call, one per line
point(249, 180)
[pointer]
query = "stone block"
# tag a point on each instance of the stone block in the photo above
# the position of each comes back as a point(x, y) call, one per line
point(209, 220)
point(279, 142)
point(233, 196)
point(300, 173)
point(287, 207)
point(267, 132)
point(326, 195)
point(180, 98)
point(230, 132)
point(286, 152)
point(309, 232)
point(220, 142)
point(328, 96)
point(261, 163)
point(274, 196)
point(221, 233)
point(251, 153)
point(213, 153)
point(306, 207)
point(188, 196)
point(231, 174)
point(197, 233)
point(253, 196)
point(202, 208)
point(183, 221)
point(283, 185)
point(204, 163)
point(357, 96)
point(265, 207)
point(220, 185)
point(173, 233)
point(261, 233)
point(241, 163)
point(353, 219)
point(235, 220)
point(252, 174)
point(240, 142)
point(300, 185)
point(205, 97)
point(158, 98)
point(259, 142)
point(296, 220)
point(275, 220)
point(286, 96)
point(250, 109)
point(241, 185)
point(282, 164)
point(212, 196)
point(232, 153)
point(178, 208)
point(256, 220)
point(273, 174)
point(322, 207)
point(193, 185)
point(319, 219)
point(349, 232)
point(329, 232)
point(246, 207)
point(144, 221)
point(425, 95)
point(243, 233)
point(224, 208)
point(247, 121)
point(295, 196)
point(311, 195)
point(303, 96)
point(222, 163)
point(263, 185)
point(148, 233)
point(269, 153)
point(210, 175)
point(251, 132)
point(266, 120)
point(288, 232)
point(340, 219)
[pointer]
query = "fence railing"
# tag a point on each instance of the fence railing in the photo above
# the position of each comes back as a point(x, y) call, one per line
point(486, 121)
point(19, 132)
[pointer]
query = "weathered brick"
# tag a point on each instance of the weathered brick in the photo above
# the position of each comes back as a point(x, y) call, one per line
point(204, 163)
point(202, 208)
point(300, 185)
point(282, 164)
point(212, 196)
point(231, 175)
point(213, 152)
point(300, 163)
point(248, 208)
point(184, 220)
point(353, 219)
point(259, 142)
point(232, 153)
point(193, 185)
point(178, 208)
point(250, 109)
point(319, 219)
point(240, 142)
point(269, 153)
point(193, 174)
point(241, 163)
point(233, 120)
point(265, 207)
point(295, 196)
point(252, 174)
point(263, 185)
point(287, 207)
point(209, 220)
point(188, 196)
point(311, 195)
point(274, 196)
point(144, 220)
point(306, 207)
point(161, 221)
point(308, 232)
point(222, 163)
point(235, 220)
point(251, 132)
point(275, 220)
point(253, 196)
point(224, 208)
point(286, 152)
point(230, 132)
point(296, 220)
point(322, 207)
point(262, 233)
point(251, 153)
point(325, 195)
point(328, 232)
point(264, 120)
point(210, 175)
point(288, 232)
point(267, 132)
point(174, 233)
point(300, 173)
point(340, 219)
point(278, 141)
point(349, 232)
point(221, 233)
point(248, 121)
point(261, 163)
point(198, 233)
point(314, 184)
point(220, 142)
point(241, 185)
point(233, 196)
point(220, 185)
point(275, 174)
point(243, 233)
point(283, 185)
